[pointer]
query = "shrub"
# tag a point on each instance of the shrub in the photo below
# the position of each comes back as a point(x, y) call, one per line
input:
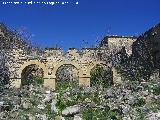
point(99, 114)
point(139, 102)
point(34, 81)
point(100, 76)
point(157, 90)
point(63, 85)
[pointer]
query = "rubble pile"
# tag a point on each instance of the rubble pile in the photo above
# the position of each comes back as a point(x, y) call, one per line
point(129, 101)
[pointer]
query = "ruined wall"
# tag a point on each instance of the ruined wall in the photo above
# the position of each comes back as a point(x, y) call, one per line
point(116, 43)
point(83, 60)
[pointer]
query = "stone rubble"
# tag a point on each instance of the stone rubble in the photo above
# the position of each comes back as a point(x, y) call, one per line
point(71, 111)
point(130, 101)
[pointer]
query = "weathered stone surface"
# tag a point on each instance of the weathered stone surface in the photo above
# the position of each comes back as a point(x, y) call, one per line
point(48, 98)
point(26, 105)
point(53, 106)
point(122, 100)
point(78, 117)
point(41, 107)
point(70, 111)
point(59, 118)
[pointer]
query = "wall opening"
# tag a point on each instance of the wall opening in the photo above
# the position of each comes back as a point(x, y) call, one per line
point(66, 76)
point(32, 74)
point(101, 75)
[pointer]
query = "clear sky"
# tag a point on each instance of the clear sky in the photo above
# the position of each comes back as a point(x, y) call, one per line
point(68, 25)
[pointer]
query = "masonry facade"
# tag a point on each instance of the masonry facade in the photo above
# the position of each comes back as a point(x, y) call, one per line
point(53, 59)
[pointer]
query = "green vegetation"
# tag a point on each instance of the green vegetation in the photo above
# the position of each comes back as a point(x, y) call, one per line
point(139, 102)
point(100, 114)
point(34, 81)
point(100, 76)
point(157, 90)
point(63, 85)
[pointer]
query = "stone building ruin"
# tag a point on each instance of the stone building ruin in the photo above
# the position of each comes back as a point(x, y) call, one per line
point(53, 58)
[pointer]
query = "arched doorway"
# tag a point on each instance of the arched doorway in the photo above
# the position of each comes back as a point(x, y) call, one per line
point(67, 75)
point(32, 74)
point(101, 75)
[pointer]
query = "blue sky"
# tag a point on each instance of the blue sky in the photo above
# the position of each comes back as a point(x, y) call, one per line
point(69, 25)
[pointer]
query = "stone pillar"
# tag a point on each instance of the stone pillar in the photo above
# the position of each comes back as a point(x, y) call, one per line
point(16, 82)
point(116, 77)
point(50, 82)
point(84, 81)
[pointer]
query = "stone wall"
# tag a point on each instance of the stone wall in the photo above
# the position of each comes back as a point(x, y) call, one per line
point(116, 43)
point(83, 60)
point(52, 62)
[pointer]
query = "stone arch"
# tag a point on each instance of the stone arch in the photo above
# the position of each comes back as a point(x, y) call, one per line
point(94, 64)
point(17, 82)
point(65, 63)
point(66, 74)
point(56, 67)
point(34, 62)
point(85, 73)
point(103, 75)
